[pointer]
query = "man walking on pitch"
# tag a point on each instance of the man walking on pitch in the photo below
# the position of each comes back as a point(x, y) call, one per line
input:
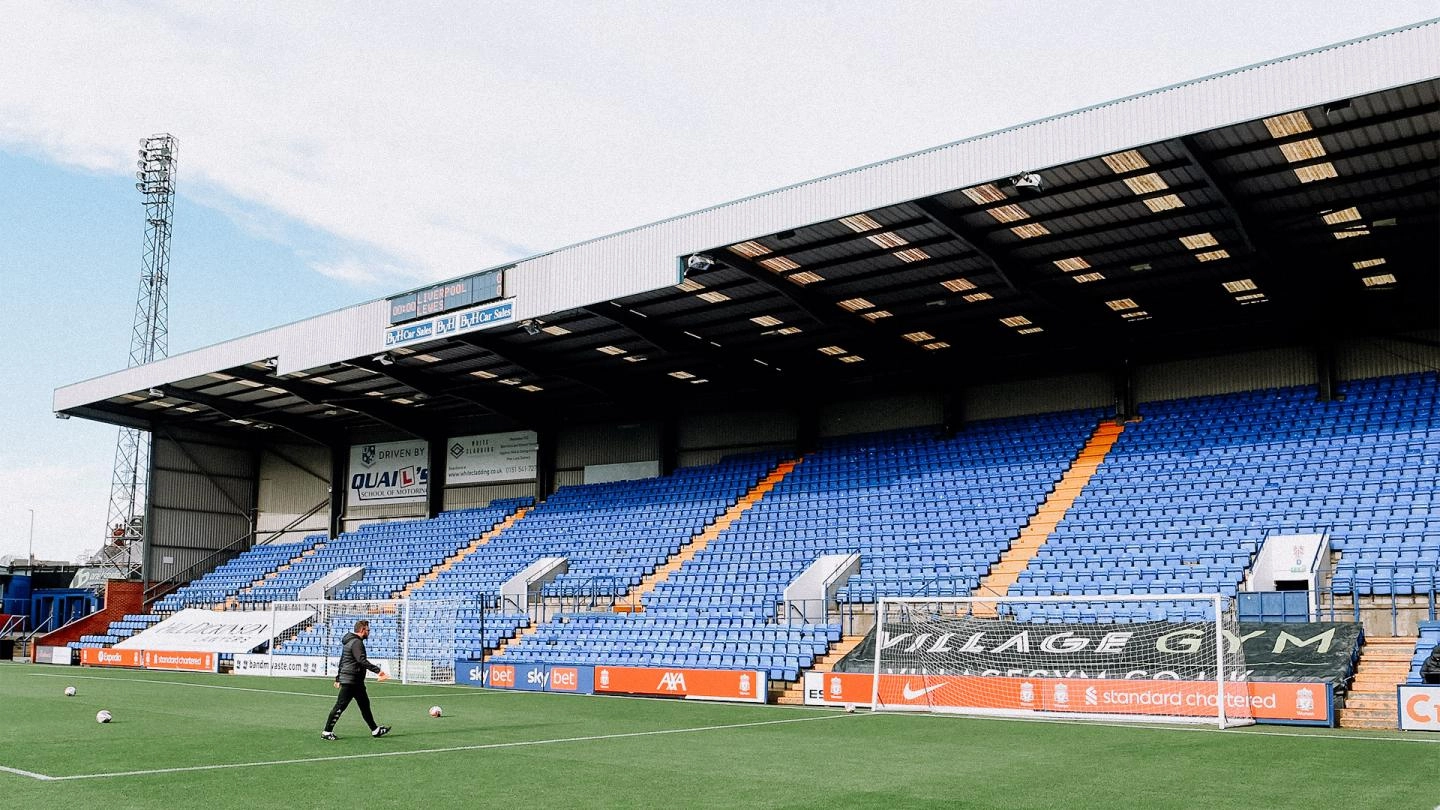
point(350, 680)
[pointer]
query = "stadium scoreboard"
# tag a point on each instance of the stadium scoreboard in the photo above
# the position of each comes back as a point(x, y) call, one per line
point(441, 298)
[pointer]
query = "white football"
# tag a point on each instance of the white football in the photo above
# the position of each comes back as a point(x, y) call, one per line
point(102, 716)
point(69, 691)
point(435, 711)
point(849, 708)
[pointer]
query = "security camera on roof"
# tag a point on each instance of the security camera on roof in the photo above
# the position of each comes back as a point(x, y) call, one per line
point(1027, 183)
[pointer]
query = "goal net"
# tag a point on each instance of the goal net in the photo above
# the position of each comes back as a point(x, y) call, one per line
point(413, 640)
point(1172, 658)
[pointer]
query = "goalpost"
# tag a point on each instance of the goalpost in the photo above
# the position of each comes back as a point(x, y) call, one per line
point(1158, 658)
point(411, 639)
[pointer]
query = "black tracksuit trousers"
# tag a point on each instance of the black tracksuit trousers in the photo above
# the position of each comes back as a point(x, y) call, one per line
point(349, 692)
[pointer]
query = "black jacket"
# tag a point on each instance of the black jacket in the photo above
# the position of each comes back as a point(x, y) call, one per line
point(1430, 670)
point(353, 661)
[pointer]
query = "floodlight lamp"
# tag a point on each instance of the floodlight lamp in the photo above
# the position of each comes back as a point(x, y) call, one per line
point(699, 263)
point(155, 392)
point(530, 327)
point(1028, 183)
point(383, 359)
point(59, 415)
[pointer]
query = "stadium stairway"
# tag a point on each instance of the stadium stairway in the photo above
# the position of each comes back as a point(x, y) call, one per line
point(520, 634)
point(792, 693)
point(1371, 701)
point(631, 602)
point(232, 602)
point(1016, 558)
point(449, 562)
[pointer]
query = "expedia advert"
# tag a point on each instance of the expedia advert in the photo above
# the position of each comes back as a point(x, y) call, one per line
point(1314, 652)
point(389, 472)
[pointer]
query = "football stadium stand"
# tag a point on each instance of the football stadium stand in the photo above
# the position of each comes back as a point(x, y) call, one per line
point(1429, 638)
point(1190, 492)
point(227, 580)
point(1179, 504)
point(927, 514)
point(393, 554)
point(612, 534)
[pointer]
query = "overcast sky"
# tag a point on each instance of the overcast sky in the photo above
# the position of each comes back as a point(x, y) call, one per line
point(334, 153)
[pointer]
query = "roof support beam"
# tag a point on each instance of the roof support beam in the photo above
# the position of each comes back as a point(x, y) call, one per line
point(1095, 208)
point(1084, 185)
point(1335, 157)
point(820, 309)
point(620, 388)
point(956, 227)
point(315, 394)
point(1019, 277)
point(231, 409)
point(1207, 171)
point(497, 402)
point(1160, 218)
point(828, 313)
point(846, 238)
point(677, 342)
point(1337, 129)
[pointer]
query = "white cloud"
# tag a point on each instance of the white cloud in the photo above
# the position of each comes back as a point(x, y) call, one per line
point(363, 273)
point(458, 139)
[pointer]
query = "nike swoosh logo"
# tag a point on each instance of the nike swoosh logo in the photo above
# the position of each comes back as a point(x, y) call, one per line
point(911, 694)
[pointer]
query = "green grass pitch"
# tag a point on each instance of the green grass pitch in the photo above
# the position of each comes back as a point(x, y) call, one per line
point(218, 741)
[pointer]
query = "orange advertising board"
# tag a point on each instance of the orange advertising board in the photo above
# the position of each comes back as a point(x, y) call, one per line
point(111, 658)
point(702, 684)
point(182, 661)
point(1263, 700)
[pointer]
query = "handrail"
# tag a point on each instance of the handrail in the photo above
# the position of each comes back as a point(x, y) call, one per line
point(38, 630)
point(1327, 597)
point(11, 624)
point(189, 573)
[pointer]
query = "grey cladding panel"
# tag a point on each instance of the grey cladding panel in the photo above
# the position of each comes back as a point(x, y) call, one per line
point(738, 429)
point(1067, 393)
point(1277, 368)
point(583, 445)
point(880, 413)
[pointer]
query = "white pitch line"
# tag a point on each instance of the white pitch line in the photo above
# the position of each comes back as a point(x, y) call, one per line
point(452, 749)
point(177, 683)
point(42, 777)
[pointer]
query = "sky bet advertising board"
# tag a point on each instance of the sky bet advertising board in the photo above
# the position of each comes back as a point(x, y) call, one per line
point(578, 680)
point(389, 472)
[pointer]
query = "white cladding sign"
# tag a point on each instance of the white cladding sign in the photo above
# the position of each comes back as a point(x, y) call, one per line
point(389, 472)
point(195, 630)
point(492, 457)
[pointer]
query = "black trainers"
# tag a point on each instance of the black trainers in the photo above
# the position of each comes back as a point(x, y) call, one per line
point(328, 735)
point(380, 731)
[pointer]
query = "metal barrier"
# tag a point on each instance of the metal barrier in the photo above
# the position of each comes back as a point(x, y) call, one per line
point(1329, 609)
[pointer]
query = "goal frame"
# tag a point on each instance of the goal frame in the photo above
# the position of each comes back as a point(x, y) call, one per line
point(1217, 600)
point(401, 609)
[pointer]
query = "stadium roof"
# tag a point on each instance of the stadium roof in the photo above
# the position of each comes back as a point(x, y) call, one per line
point(1296, 201)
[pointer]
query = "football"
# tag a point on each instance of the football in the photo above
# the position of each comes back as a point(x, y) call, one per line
point(69, 691)
point(849, 708)
point(435, 711)
point(102, 716)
